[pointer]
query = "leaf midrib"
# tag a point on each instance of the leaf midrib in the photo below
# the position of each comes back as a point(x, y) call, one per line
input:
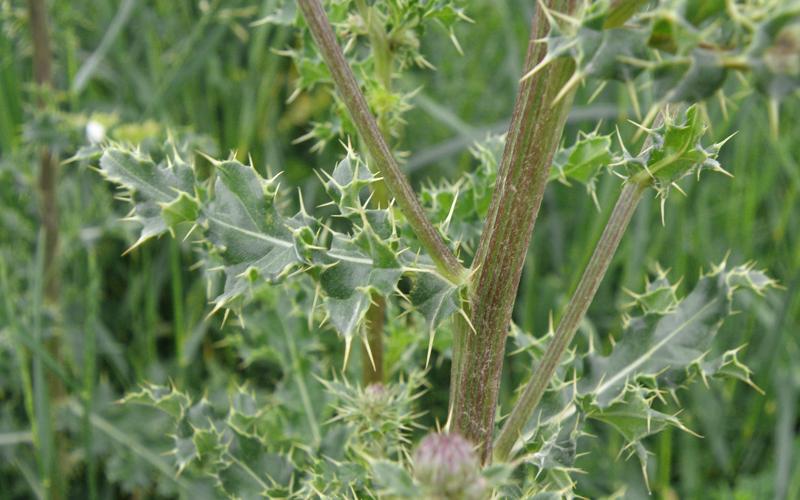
point(650, 352)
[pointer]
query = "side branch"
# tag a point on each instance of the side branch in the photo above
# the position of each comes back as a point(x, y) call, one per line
point(353, 98)
point(576, 309)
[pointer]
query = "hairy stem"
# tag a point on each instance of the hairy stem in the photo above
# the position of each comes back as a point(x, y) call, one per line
point(347, 86)
point(460, 330)
point(533, 137)
point(576, 309)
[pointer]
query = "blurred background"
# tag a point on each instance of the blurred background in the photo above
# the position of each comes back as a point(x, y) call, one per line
point(72, 345)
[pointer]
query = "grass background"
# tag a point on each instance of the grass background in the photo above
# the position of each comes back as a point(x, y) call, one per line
point(124, 320)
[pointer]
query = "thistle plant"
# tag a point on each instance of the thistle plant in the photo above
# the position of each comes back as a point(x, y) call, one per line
point(451, 257)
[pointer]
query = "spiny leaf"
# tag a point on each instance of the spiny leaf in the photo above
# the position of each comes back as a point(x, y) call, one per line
point(674, 153)
point(632, 415)
point(256, 242)
point(399, 24)
point(659, 296)
point(555, 444)
point(658, 352)
point(465, 204)
point(163, 194)
point(687, 48)
point(239, 451)
point(583, 161)
point(661, 346)
point(166, 399)
point(247, 238)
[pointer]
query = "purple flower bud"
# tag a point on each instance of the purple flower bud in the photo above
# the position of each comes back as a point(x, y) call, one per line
point(447, 467)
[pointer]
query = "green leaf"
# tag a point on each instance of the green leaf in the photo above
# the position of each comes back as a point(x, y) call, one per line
point(255, 241)
point(462, 206)
point(659, 296)
point(166, 399)
point(632, 415)
point(584, 161)
point(691, 81)
point(686, 48)
point(249, 241)
point(434, 298)
point(241, 451)
point(620, 11)
point(674, 153)
point(163, 194)
point(239, 482)
point(359, 265)
point(497, 475)
point(663, 349)
point(664, 344)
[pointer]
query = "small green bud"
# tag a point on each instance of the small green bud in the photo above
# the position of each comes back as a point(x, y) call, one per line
point(376, 399)
point(448, 468)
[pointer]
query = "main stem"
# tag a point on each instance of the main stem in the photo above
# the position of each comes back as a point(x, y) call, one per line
point(576, 309)
point(350, 93)
point(533, 136)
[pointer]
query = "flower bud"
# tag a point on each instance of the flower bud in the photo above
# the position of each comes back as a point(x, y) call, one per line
point(376, 391)
point(448, 468)
point(376, 398)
